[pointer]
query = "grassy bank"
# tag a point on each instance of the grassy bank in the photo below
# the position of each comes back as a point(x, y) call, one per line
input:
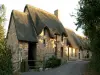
point(90, 70)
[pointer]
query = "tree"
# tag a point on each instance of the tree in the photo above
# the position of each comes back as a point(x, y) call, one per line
point(88, 18)
point(2, 19)
point(1, 32)
point(5, 52)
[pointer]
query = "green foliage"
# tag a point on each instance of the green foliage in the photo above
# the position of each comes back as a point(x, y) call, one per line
point(5, 52)
point(2, 14)
point(2, 19)
point(53, 62)
point(1, 32)
point(5, 59)
point(88, 18)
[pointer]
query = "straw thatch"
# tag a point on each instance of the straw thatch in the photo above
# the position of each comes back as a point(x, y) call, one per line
point(29, 25)
point(23, 27)
point(76, 41)
point(43, 18)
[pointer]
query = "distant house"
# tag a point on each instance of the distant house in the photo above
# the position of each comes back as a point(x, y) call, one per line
point(35, 34)
point(77, 47)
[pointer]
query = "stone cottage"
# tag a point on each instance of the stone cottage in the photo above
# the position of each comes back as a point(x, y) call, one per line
point(77, 47)
point(35, 34)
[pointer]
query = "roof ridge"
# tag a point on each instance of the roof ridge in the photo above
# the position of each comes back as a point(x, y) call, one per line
point(69, 29)
point(81, 36)
point(75, 33)
point(46, 17)
point(14, 11)
point(39, 9)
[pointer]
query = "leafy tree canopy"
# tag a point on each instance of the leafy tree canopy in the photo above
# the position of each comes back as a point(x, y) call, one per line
point(2, 19)
point(2, 13)
point(5, 52)
point(88, 18)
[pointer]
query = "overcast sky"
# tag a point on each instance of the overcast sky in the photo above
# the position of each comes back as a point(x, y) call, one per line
point(66, 7)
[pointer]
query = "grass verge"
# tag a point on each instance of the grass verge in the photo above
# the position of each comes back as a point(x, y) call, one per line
point(90, 70)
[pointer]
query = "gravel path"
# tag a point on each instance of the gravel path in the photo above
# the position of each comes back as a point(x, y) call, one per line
point(71, 68)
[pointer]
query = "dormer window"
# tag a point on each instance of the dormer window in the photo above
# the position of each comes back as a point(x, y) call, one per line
point(44, 38)
point(44, 42)
point(44, 31)
point(62, 37)
point(61, 51)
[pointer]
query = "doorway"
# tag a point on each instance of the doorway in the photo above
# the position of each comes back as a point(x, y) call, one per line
point(31, 54)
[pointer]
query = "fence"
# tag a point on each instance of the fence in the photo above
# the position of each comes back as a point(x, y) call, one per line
point(24, 66)
point(27, 65)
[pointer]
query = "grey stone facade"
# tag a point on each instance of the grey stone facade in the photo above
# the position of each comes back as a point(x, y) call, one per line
point(12, 42)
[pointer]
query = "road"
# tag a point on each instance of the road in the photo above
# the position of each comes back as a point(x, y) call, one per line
point(71, 68)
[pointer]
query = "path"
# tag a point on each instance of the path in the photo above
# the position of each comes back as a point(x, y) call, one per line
point(71, 68)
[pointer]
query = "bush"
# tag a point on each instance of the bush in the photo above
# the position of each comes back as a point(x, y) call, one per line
point(52, 62)
point(5, 60)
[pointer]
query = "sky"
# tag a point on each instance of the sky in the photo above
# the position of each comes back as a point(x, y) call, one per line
point(65, 7)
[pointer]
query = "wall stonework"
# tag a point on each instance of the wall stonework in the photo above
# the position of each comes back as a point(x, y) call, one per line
point(19, 49)
point(12, 42)
point(84, 54)
point(48, 49)
point(44, 48)
point(23, 46)
point(59, 45)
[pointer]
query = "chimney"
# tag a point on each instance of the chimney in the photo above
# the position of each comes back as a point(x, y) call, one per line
point(57, 13)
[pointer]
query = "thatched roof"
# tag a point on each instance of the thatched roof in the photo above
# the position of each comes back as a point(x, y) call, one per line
point(84, 42)
point(72, 38)
point(75, 40)
point(29, 25)
point(23, 27)
point(24, 30)
point(42, 18)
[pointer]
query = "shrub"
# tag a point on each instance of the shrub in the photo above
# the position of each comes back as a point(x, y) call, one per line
point(5, 60)
point(52, 62)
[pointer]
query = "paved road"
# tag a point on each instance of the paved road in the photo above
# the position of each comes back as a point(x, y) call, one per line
point(71, 68)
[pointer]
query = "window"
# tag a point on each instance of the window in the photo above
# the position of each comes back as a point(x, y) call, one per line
point(61, 51)
point(44, 42)
point(55, 51)
point(75, 52)
point(72, 52)
point(62, 37)
point(44, 31)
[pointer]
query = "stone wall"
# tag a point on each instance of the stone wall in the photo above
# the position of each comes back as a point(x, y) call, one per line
point(60, 44)
point(45, 46)
point(48, 49)
point(23, 46)
point(12, 42)
point(73, 53)
point(84, 54)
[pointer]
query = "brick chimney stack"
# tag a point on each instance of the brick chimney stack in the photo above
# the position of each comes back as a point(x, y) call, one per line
point(57, 13)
